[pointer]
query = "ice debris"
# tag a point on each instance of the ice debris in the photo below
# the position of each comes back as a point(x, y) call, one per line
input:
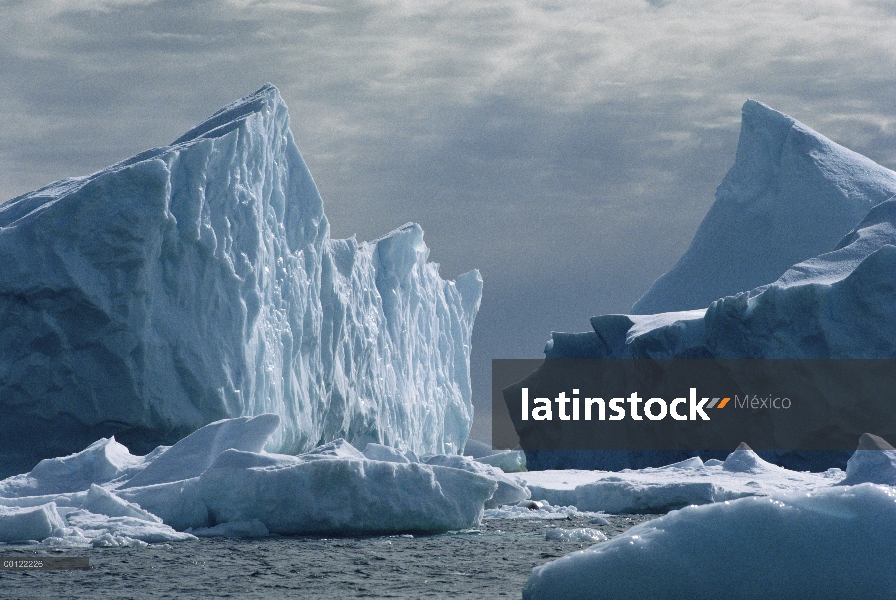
point(580, 534)
point(218, 481)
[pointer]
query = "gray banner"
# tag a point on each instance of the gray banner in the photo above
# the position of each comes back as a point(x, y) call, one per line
point(697, 404)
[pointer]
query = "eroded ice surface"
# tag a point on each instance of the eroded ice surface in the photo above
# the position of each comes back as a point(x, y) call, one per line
point(197, 282)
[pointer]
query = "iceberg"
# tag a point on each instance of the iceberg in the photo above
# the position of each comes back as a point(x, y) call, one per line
point(793, 261)
point(792, 194)
point(812, 228)
point(197, 282)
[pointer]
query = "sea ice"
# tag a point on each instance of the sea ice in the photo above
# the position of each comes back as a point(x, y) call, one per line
point(509, 491)
point(219, 481)
point(30, 523)
point(509, 461)
point(661, 489)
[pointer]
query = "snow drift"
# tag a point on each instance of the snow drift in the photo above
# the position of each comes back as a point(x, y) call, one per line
point(197, 282)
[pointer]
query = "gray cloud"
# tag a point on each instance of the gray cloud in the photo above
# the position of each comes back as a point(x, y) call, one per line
point(567, 149)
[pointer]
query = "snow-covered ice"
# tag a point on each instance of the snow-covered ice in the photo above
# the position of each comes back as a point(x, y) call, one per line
point(791, 195)
point(197, 282)
point(834, 542)
point(218, 481)
point(792, 261)
point(661, 489)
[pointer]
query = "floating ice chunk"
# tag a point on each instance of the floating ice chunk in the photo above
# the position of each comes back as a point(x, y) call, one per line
point(582, 534)
point(191, 456)
point(387, 453)
point(660, 489)
point(617, 496)
point(509, 490)
point(197, 282)
point(833, 543)
point(509, 461)
point(744, 460)
point(32, 523)
point(121, 531)
point(545, 511)
point(234, 529)
point(873, 462)
point(341, 496)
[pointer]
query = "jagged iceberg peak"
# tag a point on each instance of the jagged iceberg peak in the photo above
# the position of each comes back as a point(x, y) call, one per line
point(790, 195)
point(197, 281)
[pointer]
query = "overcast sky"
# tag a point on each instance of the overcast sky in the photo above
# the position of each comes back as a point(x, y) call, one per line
point(567, 149)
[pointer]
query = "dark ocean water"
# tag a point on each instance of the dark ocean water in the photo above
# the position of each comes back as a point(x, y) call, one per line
point(493, 561)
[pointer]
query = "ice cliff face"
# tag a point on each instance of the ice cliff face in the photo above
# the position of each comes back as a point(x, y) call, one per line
point(197, 282)
point(791, 195)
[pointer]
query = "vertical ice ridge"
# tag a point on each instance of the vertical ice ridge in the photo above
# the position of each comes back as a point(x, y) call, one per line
point(198, 282)
point(791, 194)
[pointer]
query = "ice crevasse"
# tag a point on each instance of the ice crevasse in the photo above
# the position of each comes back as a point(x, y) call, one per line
point(197, 282)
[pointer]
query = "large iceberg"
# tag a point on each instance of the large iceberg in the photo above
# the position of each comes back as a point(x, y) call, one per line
point(794, 260)
point(197, 282)
point(791, 261)
point(791, 195)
